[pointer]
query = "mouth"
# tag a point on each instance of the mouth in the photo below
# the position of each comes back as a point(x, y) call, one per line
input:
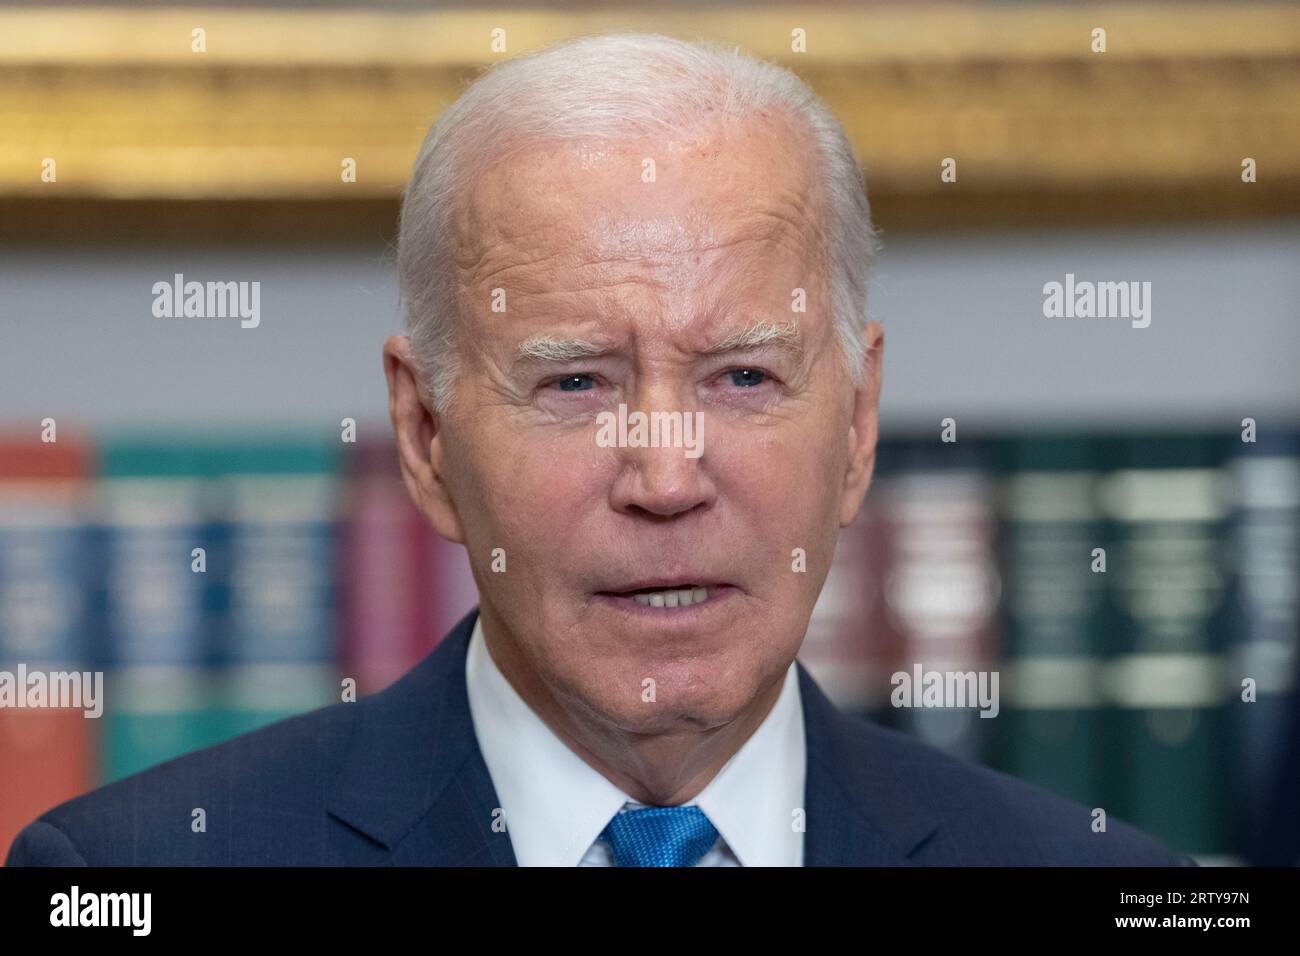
point(669, 595)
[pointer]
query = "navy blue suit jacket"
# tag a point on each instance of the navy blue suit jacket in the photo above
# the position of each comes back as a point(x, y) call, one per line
point(397, 778)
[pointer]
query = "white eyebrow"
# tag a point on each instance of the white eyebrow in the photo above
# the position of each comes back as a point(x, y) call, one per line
point(759, 334)
point(547, 348)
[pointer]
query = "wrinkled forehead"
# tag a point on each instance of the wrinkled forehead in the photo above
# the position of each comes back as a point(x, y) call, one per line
point(721, 186)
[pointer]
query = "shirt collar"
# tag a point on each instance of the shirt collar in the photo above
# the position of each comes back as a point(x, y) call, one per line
point(555, 805)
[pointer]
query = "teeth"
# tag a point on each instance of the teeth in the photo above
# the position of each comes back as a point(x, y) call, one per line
point(677, 597)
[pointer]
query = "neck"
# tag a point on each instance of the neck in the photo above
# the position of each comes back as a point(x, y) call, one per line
point(664, 769)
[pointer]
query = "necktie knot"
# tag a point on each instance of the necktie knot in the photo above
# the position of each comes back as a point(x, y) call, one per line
point(660, 836)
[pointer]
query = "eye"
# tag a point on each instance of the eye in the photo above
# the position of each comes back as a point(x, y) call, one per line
point(575, 383)
point(747, 377)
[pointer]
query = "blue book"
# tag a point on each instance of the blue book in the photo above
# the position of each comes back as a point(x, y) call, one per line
point(278, 654)
point(161, 599)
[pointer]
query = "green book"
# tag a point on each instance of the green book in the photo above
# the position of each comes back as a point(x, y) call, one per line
point(1167, 502)
point(1050, 725)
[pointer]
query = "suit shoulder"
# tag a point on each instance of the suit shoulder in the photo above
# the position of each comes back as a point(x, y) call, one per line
point(280, 770)
point(989, 817)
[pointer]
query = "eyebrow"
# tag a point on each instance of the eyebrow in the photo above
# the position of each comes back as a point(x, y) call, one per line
point(760, 334)
point(548, 348)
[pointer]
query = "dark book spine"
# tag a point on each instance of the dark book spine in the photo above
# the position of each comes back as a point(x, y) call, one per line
point(1050, 726)
point(1168, 502)
point(1265, 654)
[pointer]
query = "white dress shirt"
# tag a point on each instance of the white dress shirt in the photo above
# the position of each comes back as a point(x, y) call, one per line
point(555, 805)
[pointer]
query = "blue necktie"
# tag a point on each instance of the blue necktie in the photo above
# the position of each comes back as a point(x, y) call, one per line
point(660, 836)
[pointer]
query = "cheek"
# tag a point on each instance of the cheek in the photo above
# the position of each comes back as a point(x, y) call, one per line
point(780, 483)
point(534, 491)
point(783, 475)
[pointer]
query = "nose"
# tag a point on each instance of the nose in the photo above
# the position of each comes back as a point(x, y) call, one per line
point(665, 481)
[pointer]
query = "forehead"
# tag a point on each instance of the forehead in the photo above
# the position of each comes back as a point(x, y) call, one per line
point(733, 190)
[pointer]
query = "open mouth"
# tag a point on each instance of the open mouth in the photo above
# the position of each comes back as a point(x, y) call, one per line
point(674, 595)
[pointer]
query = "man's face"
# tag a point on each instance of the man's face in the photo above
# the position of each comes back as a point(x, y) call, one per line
point(571, 242)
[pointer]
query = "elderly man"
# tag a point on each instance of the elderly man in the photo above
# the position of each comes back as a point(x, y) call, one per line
point(617, 227)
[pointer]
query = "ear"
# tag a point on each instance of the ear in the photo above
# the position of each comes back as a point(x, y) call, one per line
point(864, 428)
point(421, 446)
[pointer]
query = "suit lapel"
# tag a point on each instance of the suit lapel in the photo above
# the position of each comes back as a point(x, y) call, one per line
point(859, 809)
point(413, 779)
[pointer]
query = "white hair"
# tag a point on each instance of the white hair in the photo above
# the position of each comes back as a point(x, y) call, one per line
point(609, 88)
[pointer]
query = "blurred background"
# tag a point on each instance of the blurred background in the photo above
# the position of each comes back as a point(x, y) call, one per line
point(270, 142)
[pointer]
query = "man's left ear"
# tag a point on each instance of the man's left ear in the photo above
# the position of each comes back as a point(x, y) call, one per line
point(864, 426)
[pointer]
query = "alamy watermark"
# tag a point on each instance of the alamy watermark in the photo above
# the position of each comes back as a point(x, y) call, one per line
point(651, 430)
point(944, 689)
point(1098, 300)
point(79, 690)
point(130, 910)
point(208, 300)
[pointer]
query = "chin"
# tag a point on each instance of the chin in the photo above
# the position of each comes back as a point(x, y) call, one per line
point(688, 696)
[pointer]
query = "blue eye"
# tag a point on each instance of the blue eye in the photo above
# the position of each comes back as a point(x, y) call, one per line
point(747, 377)
point(575, 383)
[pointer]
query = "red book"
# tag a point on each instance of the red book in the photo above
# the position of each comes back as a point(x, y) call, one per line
point(382, 566)
point(47, 755)
point(849, 648)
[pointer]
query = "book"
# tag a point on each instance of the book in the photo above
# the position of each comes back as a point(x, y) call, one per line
point(1264, 654)
point(1053, 630)
point(942, 592)
point(403, 585)
point(1167, 504)
point(163, 581)
point(278, 652)
point(47, 754)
